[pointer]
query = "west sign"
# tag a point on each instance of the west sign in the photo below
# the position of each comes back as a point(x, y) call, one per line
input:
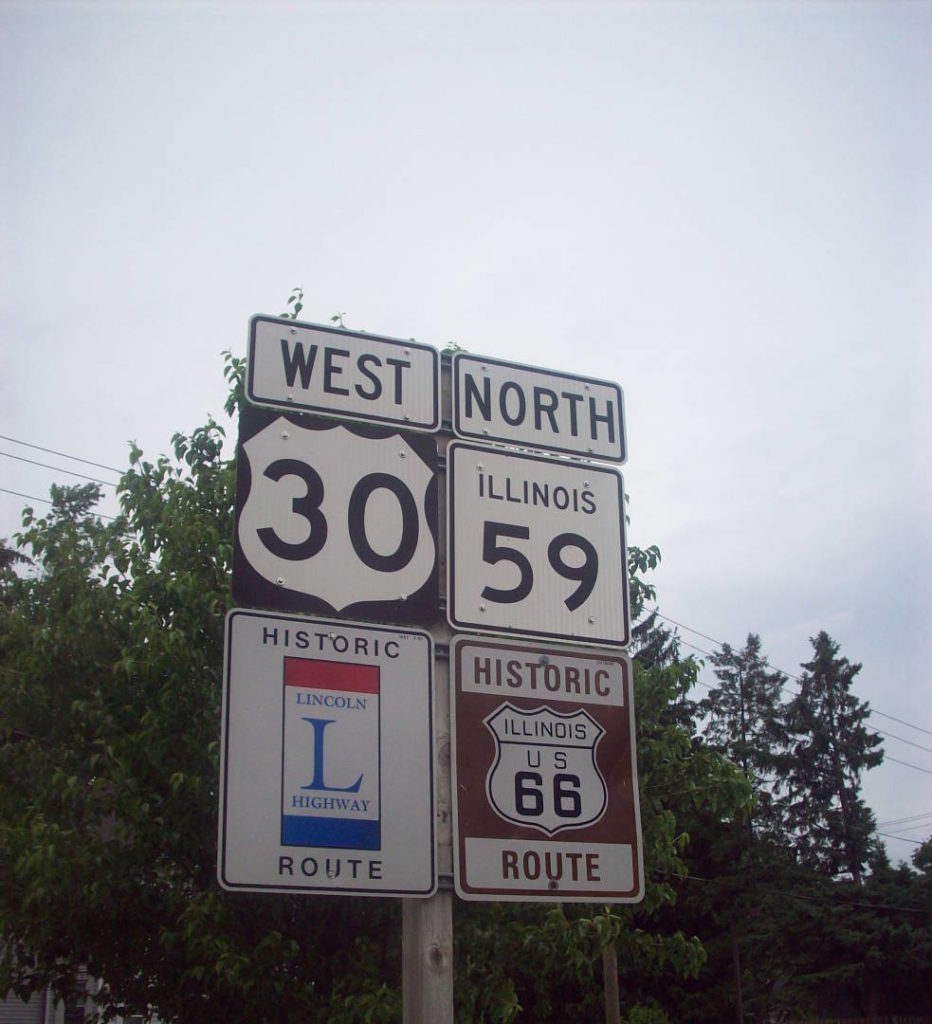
point(347, 374)
point(494, 400)
point(544, 774)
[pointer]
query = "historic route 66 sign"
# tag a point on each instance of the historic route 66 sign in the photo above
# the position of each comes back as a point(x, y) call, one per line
point(545, 774)
point(335, 518)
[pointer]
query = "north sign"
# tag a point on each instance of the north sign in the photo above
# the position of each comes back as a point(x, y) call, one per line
point(335, 518)
point(536, 547)
point(544, 774)
point(327, 758)
point(494, 400)
point(347, 374)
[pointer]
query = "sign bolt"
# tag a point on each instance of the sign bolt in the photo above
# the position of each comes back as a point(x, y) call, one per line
point(591, 619)
point(481, 607)
point(280, 580)
point(294, 330)
point(284, 435)
point(402, 455)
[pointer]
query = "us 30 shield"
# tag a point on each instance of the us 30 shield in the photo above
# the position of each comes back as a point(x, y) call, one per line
point(545, 774)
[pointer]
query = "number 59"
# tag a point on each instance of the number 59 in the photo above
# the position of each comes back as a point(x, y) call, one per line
point(494, 551)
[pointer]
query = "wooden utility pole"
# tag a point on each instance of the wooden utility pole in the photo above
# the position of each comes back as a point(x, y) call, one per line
point(427, 924)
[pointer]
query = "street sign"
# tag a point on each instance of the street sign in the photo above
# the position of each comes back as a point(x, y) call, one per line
point(536, 546)
point(327, 758)
point(335, 372)
point(335, 518)
point(544, 774)
point(494, 400)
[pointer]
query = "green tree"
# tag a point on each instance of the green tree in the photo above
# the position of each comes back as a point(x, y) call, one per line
point(110, 687)
point(830, 748)
point(746, 722)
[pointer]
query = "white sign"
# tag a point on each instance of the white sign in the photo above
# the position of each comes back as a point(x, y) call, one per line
point(494, 400)
point(335, 518)
point(544, 774)
point(335, 372)
point(537, 547)
point(327, 758)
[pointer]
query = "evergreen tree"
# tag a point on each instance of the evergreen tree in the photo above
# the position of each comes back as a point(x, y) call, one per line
point(830, 747)
point(745, 721)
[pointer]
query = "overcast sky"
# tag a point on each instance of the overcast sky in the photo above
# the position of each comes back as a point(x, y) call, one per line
point(725, 208)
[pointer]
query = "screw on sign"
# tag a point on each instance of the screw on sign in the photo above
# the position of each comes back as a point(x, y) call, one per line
point(544, 774)
point(335, 518)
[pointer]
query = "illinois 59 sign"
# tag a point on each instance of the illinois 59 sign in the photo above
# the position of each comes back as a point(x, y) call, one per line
point(537, 546)
point(335, 518)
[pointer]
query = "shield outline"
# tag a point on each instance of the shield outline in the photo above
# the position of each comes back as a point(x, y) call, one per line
point(544, 709)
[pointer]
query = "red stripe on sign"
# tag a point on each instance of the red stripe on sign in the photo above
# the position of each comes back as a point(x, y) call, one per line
point(331, 675)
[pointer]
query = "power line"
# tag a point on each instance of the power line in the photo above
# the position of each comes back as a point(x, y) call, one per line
point(904, 821)
point(886, 756)
point(790, 675)
point(45, 501)
point(51, 451)
point(902, 839)
point(58, 469)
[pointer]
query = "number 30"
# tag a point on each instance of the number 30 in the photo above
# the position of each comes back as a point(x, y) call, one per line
point(308, 507)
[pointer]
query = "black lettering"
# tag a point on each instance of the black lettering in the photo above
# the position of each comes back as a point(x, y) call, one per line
point(592, 868)
point(285, 865)
point(574, 400)
point(362, 363)
point(297, 361)
point(399, 365)
point(509, 864)
point(540, 410)
point(331, 371)
point(511, 386)
point(607, 418)
point(484, 401)
point(407, 545)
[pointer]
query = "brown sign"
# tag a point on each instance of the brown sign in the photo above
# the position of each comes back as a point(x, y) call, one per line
point(544, 774)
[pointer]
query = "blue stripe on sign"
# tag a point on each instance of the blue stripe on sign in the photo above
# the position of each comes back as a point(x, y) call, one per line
point(303, 830)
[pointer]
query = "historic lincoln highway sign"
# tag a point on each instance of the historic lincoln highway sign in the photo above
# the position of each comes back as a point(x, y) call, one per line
point(544, 774)
point(327, 768)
